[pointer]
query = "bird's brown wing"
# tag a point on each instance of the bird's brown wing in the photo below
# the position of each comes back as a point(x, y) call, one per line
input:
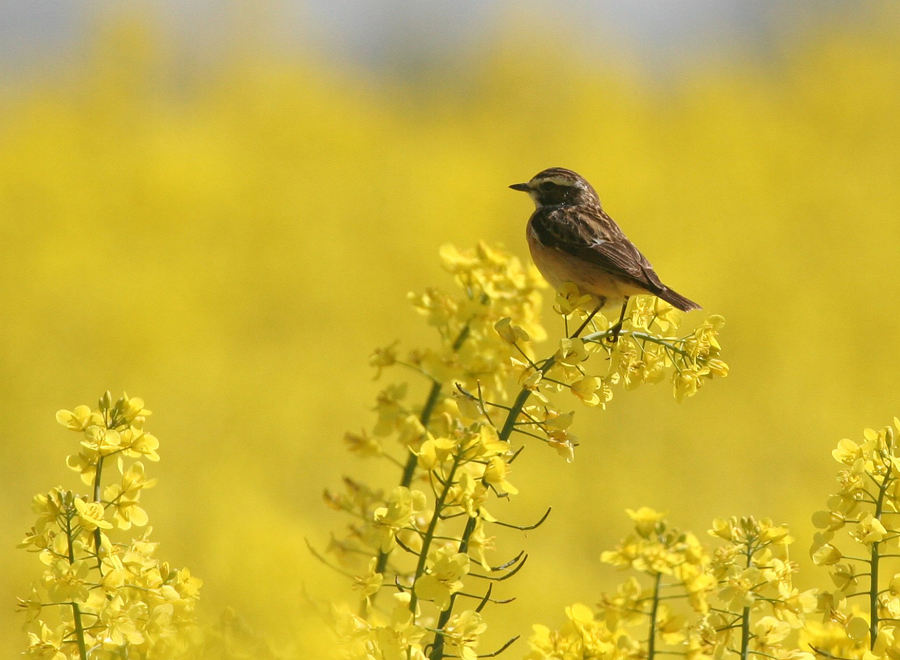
point(587, 233)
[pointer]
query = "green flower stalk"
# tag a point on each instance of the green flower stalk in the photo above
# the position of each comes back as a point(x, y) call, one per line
point(98, 597)
point(754, 574)
point(865, 509)
point(427, 540)
point(737, 601)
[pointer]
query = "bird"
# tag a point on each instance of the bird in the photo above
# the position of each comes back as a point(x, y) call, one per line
point(572, 239)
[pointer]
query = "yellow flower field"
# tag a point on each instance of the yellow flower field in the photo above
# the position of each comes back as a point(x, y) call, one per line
point(232, 243)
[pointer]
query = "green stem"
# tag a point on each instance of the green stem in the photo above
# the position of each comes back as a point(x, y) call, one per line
point(97, 537)
point(662, 341)
point(651, 642)
point(434, 396)
point(745, 614)
point(509, 425)
point(873, 563)
point(432, 525)
point(437, 651)
point(512, 417)
point(412, 460)
point(873, 597)
point(409, 470)
point(76, 610)
point(745, 634)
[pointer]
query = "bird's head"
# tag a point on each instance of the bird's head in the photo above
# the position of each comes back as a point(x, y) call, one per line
point(558, 185)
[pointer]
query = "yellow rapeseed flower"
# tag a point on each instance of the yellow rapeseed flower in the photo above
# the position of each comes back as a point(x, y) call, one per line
point(445, 568)
point(48, 644)
point(768, 632)
point(510, 333)
point(434, 452)
point(370, 582)
point(402, 505)
point(91, 515)
point(869, 530)
point(587, 389)
point(461, 634)
point(363, 444)
point(646, 519)
point(495, 475)
point(569, 299)
point(80, 418)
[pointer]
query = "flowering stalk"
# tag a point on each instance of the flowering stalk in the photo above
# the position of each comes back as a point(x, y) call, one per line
point(432, 525)
point(437, 651)
point(654, 616)
point(750, 576)
point(638, 621)
point(136, 606)
point(76, 609)
point(874, 557)
point(760, 584)
point(409, 469)
point(868, 492)
point(457, 457)
point(745, 613)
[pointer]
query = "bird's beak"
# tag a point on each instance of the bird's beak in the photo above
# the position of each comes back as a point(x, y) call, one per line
point(524, 187)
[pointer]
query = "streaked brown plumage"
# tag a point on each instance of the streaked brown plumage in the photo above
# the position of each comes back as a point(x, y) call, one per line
point(572, 239)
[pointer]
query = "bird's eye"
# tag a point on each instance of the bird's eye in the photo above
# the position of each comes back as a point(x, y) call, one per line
point(547, 186)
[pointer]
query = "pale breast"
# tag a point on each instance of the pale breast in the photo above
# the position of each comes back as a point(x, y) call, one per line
point(558, 267)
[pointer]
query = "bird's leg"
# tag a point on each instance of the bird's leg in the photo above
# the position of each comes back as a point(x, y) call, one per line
point(589, 318)
point(617, 328)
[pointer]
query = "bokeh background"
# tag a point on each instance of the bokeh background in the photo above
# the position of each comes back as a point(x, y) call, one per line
point(221, 207)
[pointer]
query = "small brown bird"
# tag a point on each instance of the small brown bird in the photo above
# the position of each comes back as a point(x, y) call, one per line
point(573, 240)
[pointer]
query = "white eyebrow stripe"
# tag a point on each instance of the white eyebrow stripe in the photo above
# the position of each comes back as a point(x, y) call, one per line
point(558, 180)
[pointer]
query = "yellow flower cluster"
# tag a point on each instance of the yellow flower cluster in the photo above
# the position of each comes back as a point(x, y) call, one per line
point(463, 469)
point(426, 539)
point(494, 285)
point(643, 350)
point(864, 511)
point(661, 553)
point(761, 606)
point(739, 599)
point(581, 636)
point(99, 597)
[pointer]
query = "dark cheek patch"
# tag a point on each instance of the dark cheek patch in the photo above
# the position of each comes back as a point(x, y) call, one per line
point(556, 196)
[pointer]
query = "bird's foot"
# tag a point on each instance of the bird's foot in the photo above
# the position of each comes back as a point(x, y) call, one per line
point(612, 336)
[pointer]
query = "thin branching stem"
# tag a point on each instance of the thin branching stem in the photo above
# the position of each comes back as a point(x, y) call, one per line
point(433, 395)
point(511, 562)
point(437, 650)
point(670, 343)
point(522, 399)
point(873, 578)
point(502, 577)
point(76, 610)
point(654, 612)
point(97, 533)
point(432, 525)
point(745, 615)
point(412, 460)
point(526, 528)
point(501, 649)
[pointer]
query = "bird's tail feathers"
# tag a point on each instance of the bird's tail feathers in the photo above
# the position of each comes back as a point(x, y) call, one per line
point(677, 300)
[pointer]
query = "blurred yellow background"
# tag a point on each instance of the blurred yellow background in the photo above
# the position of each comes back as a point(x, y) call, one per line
point(231, 247)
